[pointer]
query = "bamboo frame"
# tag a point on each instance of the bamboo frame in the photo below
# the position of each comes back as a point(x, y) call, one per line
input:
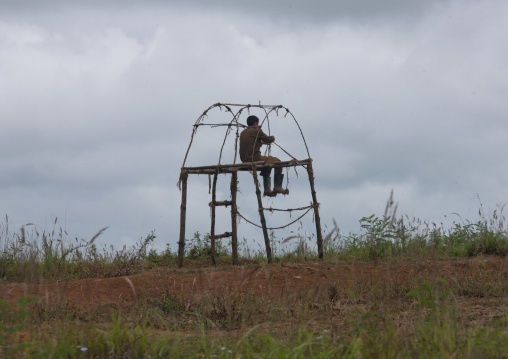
point(221, 203)
point(184, 175)
point(246, 166)
point(262, 216)
point(317, 218)
point(212, 229)
point(233, 169)
point(234, 209)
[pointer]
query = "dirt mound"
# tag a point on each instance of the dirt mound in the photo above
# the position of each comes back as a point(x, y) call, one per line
point(274, 280)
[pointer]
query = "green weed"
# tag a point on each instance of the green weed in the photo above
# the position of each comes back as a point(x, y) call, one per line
point(13, 319)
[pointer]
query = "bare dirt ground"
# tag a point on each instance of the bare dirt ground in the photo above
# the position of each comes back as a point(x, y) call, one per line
point(311, 280)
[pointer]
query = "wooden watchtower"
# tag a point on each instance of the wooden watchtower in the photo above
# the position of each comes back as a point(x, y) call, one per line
point(235, 110)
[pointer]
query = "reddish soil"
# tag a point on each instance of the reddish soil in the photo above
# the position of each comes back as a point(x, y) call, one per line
point(276, 280)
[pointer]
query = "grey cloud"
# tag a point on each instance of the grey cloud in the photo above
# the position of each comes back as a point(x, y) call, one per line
point(318, 10)
point(97, 109)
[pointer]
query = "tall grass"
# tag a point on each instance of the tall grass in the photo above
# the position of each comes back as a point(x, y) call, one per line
point(29, 254)
point(387, 236)
point(33, 255)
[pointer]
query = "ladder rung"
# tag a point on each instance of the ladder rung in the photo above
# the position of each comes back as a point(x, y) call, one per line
point(221, 203)
point(223, 235)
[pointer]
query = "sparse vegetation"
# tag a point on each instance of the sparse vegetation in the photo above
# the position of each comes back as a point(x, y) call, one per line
point(414, 290)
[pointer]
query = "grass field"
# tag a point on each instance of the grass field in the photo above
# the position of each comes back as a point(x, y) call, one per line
point(400, 288)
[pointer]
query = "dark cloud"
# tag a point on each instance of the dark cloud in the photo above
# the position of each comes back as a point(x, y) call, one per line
point(317, 10)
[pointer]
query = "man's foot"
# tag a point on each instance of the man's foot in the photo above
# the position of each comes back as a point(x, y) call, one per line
point(269, 193)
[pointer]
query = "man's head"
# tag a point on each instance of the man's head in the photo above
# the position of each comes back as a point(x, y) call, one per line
point(252, 120)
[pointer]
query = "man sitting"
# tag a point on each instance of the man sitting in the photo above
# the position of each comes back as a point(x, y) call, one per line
point(251, 140)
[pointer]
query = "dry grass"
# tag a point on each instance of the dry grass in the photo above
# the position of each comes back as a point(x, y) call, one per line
point(397, 289)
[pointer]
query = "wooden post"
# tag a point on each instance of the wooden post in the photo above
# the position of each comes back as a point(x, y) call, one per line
point(212, 229)
point(183, 210)
point(316, 211)
point(234, 238)
point(262, 216)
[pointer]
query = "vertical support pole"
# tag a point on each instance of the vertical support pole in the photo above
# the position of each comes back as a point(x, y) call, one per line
point(212, 229)
point(183, 211)
point(262, 216)
point(234, 237)
point(316, 211)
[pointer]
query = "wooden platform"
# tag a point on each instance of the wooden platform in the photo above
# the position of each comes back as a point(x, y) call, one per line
point(230, 168)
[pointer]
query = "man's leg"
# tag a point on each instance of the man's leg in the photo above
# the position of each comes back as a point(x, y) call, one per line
point(279, 177)
point(277, 182)
point(267, 185)
point(267, 180)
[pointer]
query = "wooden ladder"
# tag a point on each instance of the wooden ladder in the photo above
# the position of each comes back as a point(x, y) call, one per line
point(213, 204)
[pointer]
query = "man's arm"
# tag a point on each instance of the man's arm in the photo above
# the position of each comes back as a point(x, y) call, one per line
point(264, 138)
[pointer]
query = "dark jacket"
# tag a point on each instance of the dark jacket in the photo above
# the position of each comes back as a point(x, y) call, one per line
point(251, 140)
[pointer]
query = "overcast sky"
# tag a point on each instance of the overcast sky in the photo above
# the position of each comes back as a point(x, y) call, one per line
point(98, 99)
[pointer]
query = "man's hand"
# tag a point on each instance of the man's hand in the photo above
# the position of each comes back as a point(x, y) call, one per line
point(269, 140)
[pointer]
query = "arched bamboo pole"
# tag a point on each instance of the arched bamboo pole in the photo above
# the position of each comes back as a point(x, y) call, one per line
point(253, 167)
